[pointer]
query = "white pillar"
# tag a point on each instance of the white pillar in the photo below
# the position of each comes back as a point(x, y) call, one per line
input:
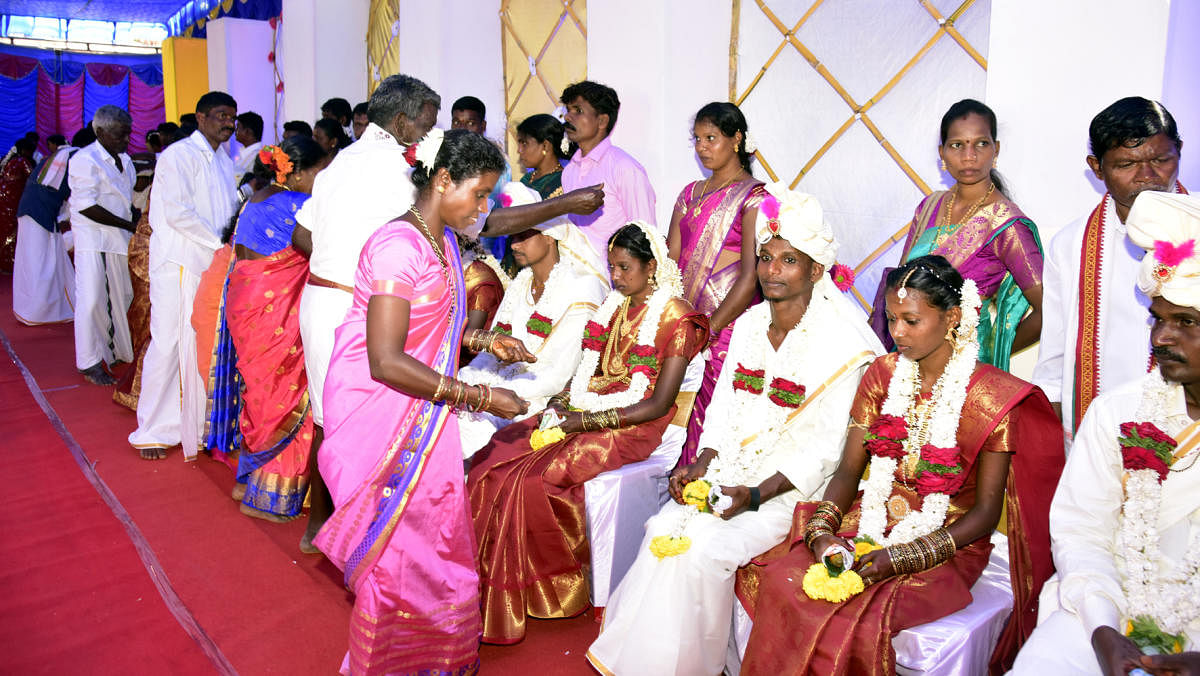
point(1052, 66)
point(454, 47)
point(322, 55)
point(665, 65)
point(1180, 94)
point(238, 65)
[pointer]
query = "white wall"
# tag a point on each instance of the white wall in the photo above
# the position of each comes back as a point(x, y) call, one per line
point(238, 65)
point(664, 66)
point(1052, 67)
point(322, 55)
point(454, 47)
point(1181, 95)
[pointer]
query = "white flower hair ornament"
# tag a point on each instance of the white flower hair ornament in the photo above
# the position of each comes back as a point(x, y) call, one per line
point(426, 150)
point(749, 143)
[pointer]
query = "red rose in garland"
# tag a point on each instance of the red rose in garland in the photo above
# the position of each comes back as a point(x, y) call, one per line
point(785, 393)
point(539, 325)
point(748, 380)
point(642, 359)
point(594, 336)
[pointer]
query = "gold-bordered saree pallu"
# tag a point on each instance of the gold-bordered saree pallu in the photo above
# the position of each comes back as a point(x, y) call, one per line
point(1001, 414)
point(402, 537)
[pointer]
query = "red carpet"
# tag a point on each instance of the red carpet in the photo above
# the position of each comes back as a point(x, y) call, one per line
point(75, 590)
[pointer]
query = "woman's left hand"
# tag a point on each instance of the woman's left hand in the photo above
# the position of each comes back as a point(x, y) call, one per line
point(508, 350)
point(875, 566)
point(741, 500)
point(573, 423)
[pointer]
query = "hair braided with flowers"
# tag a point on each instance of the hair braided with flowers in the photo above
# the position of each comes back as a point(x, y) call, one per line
point(275, 159)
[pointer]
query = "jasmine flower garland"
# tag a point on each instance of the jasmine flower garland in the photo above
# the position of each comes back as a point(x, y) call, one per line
point(903, 391)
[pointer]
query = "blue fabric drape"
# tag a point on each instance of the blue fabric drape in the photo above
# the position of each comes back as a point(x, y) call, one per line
point(96, 95)
point(17, 116)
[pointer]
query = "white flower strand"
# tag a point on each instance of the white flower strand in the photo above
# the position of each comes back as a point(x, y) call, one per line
point(1167, 593)
point(556, 298)
point(670, 285)
point(903, 391)
point(428, 147)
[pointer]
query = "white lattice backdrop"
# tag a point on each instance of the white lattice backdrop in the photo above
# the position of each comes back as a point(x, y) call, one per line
point(844, 98)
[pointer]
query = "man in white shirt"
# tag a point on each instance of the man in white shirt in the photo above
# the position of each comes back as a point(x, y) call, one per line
point(1092, 337)
point(1125, 520)
point(101, 178)
point(365, 186)
point(249, 135)
point(194, 201)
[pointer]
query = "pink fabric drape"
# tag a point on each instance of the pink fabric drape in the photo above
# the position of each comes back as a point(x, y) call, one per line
point(148, 110)
point(59, 107)
point(107, 74)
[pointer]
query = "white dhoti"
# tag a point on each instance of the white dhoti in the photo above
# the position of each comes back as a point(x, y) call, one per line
point(674, 615)
point(43, 277)
point(173, 400)
point(1059, 645)
point(102, 296)
point(322, 310)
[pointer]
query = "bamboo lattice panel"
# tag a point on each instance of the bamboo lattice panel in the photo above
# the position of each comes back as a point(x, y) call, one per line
point(544, 43)
point(844, 98)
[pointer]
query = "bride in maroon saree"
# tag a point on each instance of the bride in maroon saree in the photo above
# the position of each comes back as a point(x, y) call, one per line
point(1006, 451)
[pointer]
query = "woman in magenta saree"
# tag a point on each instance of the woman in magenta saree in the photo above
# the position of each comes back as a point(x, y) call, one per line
point(983, 233)
point(712, 239)
point(391, 458)
point(262, 312)
point(13, 176)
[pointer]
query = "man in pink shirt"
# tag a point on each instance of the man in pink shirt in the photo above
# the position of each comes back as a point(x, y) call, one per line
point(604, 187)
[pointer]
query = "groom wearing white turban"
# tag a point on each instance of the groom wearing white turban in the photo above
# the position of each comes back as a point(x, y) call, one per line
point(546, 307)
point(775, 431)
point(1125, 521)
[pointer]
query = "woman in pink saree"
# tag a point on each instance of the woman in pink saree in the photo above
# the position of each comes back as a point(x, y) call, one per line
point(391, 458)
point(712, 239)
point(261, 310)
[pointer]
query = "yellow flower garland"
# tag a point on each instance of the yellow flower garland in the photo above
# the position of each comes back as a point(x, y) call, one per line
point(541, 437)
point(663, 546)
point(696, 494)
point(819, 585)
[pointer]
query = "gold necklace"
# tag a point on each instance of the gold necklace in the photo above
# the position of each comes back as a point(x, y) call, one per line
point(437, 250)
point(944, 226)
point(703, 193)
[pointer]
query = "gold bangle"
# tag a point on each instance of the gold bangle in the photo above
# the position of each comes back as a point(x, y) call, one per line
point(439, 394)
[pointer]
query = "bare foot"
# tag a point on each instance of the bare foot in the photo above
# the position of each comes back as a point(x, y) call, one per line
point(239, 492)
point(306, 542)
point(153, 453)
point(265, 516)
point(96, 375)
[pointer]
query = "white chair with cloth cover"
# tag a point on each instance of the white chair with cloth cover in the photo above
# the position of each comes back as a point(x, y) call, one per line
point(959, 644)
point(619, 502)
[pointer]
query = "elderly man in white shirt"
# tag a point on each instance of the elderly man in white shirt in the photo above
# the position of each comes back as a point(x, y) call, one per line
point(194, 201)
point(101, 177)
point(782, 403)
point(1125, 520)
point(365, 186)
point(1091, 340)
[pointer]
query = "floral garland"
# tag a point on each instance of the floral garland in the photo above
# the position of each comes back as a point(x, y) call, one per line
point(556, 298)
point(1161, 600)
point(642, 360)
point(888, 440)
point(753, 411)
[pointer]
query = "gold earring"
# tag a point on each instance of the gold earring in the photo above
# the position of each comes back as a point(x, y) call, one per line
point(995, 161)
point(944, 166)
point(441, 189)
point(952, 335)
point(543, 152)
